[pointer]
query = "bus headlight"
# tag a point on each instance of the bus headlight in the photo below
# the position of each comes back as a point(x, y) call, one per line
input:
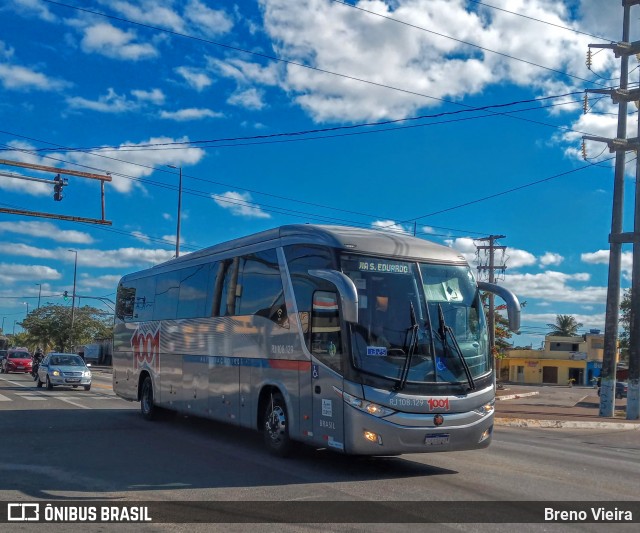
point(368, 407)
point(486, 409)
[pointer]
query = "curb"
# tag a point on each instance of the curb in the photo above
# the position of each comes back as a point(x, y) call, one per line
point(515, 396)
point(559, 424)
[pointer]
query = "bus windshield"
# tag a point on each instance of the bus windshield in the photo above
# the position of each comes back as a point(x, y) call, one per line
point(443, 299)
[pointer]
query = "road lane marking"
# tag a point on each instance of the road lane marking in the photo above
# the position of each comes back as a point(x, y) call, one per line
point(4, 398)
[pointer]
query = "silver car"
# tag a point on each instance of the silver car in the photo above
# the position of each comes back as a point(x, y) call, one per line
point(67, 369)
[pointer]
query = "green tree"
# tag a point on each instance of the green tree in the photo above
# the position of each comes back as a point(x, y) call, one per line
point(50, 326)
point(565, 326)
point(625, 322)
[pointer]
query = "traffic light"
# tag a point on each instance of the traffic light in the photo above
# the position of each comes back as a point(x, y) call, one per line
point(65, 295)
point(57, 189)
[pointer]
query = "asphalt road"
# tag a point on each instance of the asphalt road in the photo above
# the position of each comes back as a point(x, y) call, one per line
point(77, 445)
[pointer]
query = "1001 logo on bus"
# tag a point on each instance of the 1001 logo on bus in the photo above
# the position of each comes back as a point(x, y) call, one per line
point(438, 403)
point(146, 349)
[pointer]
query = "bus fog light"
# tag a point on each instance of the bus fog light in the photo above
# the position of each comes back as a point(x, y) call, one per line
point(373, 437)
point(486, 434)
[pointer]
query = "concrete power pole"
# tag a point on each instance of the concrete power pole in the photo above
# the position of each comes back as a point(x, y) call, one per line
point(620, 145)
point(490, 266)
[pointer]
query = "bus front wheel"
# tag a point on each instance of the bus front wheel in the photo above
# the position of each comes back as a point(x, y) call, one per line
point(276, 426)
point(147, 408)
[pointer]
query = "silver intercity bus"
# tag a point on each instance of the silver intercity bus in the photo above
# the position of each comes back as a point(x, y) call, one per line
point(361, 341)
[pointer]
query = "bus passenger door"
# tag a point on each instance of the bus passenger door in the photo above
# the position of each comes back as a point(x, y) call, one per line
point(326, 371)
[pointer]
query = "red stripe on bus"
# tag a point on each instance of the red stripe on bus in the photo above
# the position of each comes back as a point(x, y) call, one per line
point(283, 364)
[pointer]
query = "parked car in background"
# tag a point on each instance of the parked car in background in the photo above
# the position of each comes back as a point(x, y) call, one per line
point(17, 360)
point(621, 389)
point(66, 369)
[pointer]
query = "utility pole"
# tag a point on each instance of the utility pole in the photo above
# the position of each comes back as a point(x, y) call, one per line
point(633, 382)
point(491, 267)
point(620, 145)
point(73, 298)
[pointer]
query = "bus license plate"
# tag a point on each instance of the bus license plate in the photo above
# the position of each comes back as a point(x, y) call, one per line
point(437, 440)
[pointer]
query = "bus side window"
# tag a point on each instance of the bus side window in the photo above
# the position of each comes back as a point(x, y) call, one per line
point(301, 259)
point(192, 297)
point(259, 289)
point(166, 298)
point(125, 302)
point(326, 340)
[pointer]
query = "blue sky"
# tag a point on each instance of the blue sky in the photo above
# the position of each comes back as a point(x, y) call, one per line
point(392, 107)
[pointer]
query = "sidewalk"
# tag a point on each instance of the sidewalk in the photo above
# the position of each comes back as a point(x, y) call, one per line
point(551, 406)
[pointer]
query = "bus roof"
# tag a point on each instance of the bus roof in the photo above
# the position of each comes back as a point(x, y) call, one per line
point(357, 240)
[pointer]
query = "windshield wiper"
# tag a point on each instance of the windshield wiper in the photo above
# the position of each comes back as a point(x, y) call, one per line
point(442, 331)
point(412, 348)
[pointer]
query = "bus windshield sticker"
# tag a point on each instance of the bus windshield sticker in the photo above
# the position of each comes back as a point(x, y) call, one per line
point(377, 351)
point(386, 267)
point(360, 283)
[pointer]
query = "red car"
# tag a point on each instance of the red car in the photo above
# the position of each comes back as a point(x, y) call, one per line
point(17, 360)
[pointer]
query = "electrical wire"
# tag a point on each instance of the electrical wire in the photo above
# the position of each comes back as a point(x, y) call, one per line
point(484, 49)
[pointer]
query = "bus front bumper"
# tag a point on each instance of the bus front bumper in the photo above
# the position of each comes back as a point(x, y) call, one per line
point(368, 435)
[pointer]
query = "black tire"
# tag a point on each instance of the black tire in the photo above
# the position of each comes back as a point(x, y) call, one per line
point(276, 426)
point(49, 384)
point(147, 408)
point(87, 387)
point(618, 396)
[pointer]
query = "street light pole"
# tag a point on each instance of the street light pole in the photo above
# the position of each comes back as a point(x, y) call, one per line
point(39, 293)
point(73, 297)
point(179, 209)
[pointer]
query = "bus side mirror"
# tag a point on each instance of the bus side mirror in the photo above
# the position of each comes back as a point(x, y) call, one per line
point(346, 289)
point(513, 305)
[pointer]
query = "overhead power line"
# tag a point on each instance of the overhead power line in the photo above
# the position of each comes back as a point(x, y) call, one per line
point(573, 30)
point(404, 23)
point(195, 143)
point(302, 65)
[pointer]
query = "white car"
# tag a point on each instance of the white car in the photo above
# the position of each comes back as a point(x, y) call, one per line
point(66, 369)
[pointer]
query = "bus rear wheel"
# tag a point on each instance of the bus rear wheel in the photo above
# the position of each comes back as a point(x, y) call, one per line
point(276, 426)
point(147, 408)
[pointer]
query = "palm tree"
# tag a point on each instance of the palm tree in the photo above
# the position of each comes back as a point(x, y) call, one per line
point(565, 326)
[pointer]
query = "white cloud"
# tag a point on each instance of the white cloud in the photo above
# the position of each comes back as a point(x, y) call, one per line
point(191, 113)
point(239, 204)
point(37, 7)
point(141, 236)
point(46, 229)
point(550, 258)
point(112, 42)
point(555, 287)
point(139, 163)
point(100, 282)
point(11, 273)
point(108, 103)
point(15, 77)
point(517, 258)
point(248, 99)
point(211, 22)
point(593, 321)
point(154, 96)
point(91, 257)
point(391, 225)
point(197, 79)
point(601, 257)
point(149, 12)
point(437, 62)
